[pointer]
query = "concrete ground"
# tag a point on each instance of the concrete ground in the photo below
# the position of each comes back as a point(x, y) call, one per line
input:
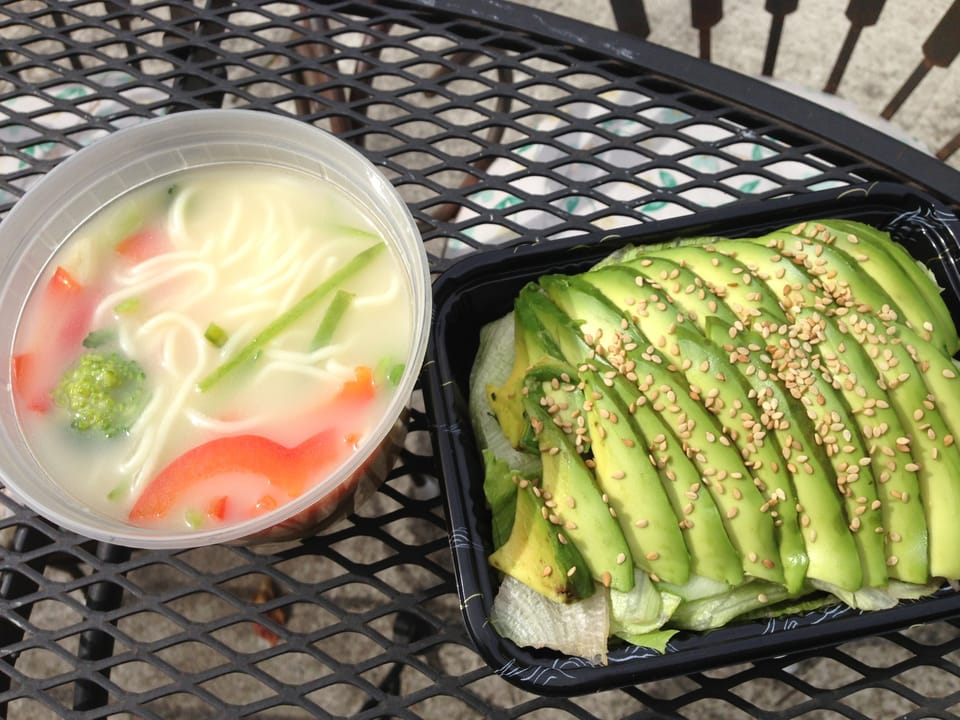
point(884, 57)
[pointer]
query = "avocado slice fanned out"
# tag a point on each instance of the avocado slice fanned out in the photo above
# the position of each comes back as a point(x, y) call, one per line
point(726, 428)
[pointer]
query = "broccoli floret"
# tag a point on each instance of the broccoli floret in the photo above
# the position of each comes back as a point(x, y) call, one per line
point(102, 392)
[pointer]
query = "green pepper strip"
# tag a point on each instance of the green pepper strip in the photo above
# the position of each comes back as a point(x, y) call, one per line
point(331, 318)
point(276, 327)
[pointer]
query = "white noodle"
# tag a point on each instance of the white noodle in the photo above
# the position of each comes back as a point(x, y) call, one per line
point(168, 401)
point(390, 295)
point(280, 272)
point(161, 276)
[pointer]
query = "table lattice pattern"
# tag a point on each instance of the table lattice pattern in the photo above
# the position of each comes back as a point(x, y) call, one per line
point(497, 126)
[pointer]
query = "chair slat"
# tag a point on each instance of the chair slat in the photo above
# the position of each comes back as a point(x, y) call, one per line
point(779, 9)
point(940, 49)
point(704, 14)
point(861, 13)
point(631, 17)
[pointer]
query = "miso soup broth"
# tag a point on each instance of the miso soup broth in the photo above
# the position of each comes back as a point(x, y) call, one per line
point(210, 345)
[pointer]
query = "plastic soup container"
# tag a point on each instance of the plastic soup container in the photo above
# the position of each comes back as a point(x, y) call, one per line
point(158, 150)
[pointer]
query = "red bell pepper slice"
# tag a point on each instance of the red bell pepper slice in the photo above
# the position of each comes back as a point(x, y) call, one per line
point(215, 465)
point(61, 322)
point(223, 472)
point(143, 245)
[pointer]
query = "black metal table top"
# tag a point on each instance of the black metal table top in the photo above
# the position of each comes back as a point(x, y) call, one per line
point(497, 125)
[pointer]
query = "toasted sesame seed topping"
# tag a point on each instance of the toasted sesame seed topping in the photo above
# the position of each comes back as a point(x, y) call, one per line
point(653, 555)
point(547, 571)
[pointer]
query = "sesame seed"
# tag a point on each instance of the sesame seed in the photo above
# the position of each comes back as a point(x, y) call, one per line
point(547, 571)
point(642, 523)
point(762, 598)
point(892, 560)
point(571, 571)
point(653, 555)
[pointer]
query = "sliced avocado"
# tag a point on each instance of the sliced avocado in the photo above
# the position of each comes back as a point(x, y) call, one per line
point(936, 457)
point(709, 301)
point(628, 480)
point(711, 553)
point(578, 507)
point(940, 373)
point(506, 401)
point(721, 468)
point(847, 365)
point(889, 263)
point(631, 483)
point(861, 378)
point(832, 553)
point(799, 368)
point(535, 556)
point(730, 400)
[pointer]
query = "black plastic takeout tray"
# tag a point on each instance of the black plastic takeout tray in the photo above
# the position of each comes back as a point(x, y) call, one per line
point(482, 287)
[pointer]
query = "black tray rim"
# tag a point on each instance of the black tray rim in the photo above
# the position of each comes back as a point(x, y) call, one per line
point(547, 672)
